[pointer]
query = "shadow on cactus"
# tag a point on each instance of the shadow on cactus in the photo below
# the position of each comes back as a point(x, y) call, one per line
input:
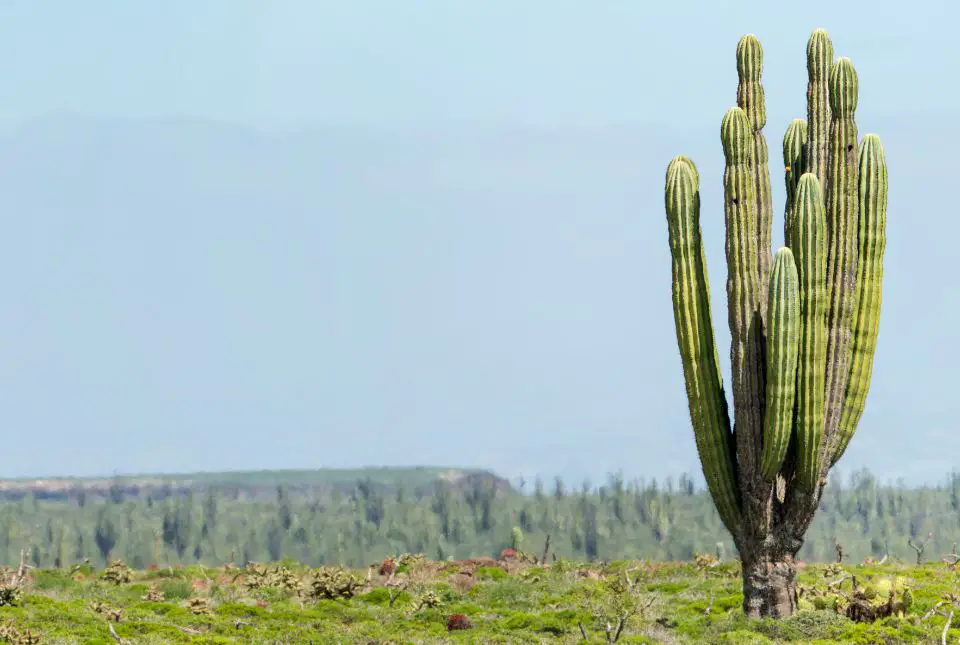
point(803, 322)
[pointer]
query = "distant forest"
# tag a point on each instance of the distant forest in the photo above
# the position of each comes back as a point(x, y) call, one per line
point(361, 517)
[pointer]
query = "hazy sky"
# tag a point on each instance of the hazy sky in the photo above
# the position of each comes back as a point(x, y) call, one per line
point(539, 62)
point(509, 311)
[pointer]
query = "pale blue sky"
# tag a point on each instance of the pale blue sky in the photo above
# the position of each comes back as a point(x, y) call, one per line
point(300, 234)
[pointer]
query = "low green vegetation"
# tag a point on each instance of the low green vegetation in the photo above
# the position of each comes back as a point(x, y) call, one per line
point(410, 599)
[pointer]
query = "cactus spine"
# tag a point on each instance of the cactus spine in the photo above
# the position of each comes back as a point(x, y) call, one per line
point(804, 334)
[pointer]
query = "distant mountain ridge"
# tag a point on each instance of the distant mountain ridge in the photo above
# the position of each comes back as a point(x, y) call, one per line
point(252, 484)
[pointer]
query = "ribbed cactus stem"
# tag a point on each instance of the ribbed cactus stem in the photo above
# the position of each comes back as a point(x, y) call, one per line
point(842, 222)
point(743, 297)
point(803, 323)
point(750, 98)
point(872, 240)
point(698, 352)
point(819, 61)
point(783, 336)
point(809, 239)
point(795, 161)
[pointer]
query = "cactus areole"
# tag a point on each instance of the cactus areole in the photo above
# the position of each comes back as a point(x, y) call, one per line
point(803, 321)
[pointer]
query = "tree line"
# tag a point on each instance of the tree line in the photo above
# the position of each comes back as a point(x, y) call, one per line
point(361, 524)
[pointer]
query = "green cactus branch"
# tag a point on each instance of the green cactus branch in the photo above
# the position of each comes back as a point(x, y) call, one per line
point(751, 99)
point(809, 239)
point(795, 160)
point(701, 364)
point(743, 288)
point(819, 61)
point(872, 243)
point(842, 216)
point(783, 336)
point(803, 324)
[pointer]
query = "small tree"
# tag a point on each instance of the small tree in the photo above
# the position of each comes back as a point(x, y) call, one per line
point(105, 535)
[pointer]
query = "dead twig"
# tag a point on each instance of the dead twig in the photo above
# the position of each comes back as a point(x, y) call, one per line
point(546, 550)
point(952, 558)
point(946, 628)
point(583, 631)
point(920, 548)
point(22, 569)
point(394, 588)
point(620, 623)
point(839, 581)
point(114, 633)
point(933, 610)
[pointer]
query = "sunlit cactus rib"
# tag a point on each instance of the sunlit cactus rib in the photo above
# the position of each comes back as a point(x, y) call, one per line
point(794, 161)
point(842, 217)
point(750, 98)
point(819, 62)
point(809, 239)
point(783, 336)
point(872, 238)
point(743, 298)
point(701, 368)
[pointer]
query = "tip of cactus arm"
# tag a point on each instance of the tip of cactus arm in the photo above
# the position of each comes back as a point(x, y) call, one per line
point(682, 163)
point(784, 251)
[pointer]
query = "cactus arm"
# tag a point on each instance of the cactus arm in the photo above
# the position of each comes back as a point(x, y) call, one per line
point(750, 98)
point(842, 206)
point(743, 300)
point(872, 240)
point(809, 238)
point(819, 60)
point(794, 160)
point(783, 334)
point(701, 367)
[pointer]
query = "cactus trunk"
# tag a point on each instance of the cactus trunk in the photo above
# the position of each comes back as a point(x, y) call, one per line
point(769, 583)
point(803, 328)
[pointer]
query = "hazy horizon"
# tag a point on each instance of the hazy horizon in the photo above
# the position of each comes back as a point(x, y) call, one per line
point(246, 235)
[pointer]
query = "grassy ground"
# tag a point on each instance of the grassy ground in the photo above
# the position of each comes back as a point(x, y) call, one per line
point(504, 602)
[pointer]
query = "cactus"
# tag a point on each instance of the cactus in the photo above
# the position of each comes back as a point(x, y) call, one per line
point(872, 242)
point(809, 235)
point(803, 335)
point(795, 160)
point(782, 349)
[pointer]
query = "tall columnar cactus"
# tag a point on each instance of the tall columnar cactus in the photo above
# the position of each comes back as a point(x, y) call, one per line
point(803, 327)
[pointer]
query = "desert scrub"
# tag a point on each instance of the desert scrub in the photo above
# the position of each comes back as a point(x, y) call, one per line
point(657, 602)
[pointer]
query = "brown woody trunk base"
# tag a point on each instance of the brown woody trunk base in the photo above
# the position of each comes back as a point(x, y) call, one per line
point(769, 585)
